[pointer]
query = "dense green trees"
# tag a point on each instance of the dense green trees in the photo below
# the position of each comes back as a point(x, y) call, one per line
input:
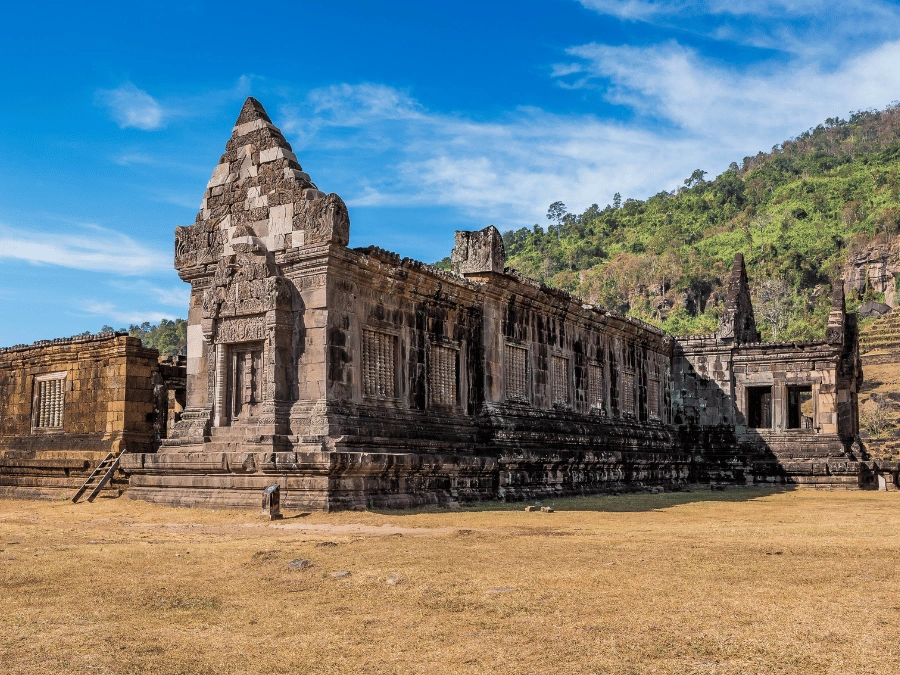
point(167, 336)
point(794, 213)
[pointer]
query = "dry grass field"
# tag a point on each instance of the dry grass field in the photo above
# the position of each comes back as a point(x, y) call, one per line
point(743, 581)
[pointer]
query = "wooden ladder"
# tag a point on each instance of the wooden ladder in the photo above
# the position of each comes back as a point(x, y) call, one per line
point(102, 473)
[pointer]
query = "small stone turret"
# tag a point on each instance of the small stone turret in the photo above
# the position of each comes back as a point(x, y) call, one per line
point(478, 252)
point(837, 319)
point(738, 322)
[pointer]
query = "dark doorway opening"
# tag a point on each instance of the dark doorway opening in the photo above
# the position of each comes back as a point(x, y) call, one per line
point(800, 413)
point(759, 407)
point(245, 381)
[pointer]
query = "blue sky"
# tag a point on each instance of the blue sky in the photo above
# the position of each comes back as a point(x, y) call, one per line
point(425, 117)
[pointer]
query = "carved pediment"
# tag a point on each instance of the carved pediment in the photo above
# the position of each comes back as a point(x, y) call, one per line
point(198, 244)
point(323, 219)
point(245, 283)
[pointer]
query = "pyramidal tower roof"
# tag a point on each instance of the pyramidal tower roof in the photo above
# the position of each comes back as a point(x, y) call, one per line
point(252, 111)
point(254, 127)
point(259, 199)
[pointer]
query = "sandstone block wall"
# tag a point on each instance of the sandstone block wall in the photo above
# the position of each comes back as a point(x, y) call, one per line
point(108, 397)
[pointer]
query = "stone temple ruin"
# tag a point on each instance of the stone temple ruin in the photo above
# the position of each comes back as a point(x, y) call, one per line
point(353, 378)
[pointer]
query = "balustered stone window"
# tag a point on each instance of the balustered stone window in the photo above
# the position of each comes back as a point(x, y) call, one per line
point(379, 366)
point(443, 375)
point(628, 393)
point(50, 398)
point(595, 386)
point(653, 398)
point(559, 378)
point(516, 373)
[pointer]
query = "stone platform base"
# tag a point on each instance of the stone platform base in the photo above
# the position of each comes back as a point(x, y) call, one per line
point(51, 494)
point(566, 474)
point(52, 475)
point(309, 480)
point(337, 480)
point(832, 473)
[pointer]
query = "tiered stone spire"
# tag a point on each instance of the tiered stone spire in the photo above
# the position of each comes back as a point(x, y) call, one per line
point(738, 322)
point(259, 196)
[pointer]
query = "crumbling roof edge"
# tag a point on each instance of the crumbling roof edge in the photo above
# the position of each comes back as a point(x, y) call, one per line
point(391, 258)
point(75, 339)
point(753, 345)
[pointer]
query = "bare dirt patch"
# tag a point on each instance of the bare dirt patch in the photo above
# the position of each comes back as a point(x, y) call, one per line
point(745, 581)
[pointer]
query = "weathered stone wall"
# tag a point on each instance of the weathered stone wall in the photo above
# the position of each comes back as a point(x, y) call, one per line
point(108, 396)
point(431, 323)
point(565, 432)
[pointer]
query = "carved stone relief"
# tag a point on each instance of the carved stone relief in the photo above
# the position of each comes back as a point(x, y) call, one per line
point(323, 219)
point(246, 329)
point(245, 284)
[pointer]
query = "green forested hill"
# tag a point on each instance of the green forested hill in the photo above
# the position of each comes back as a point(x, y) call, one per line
point(795, 213)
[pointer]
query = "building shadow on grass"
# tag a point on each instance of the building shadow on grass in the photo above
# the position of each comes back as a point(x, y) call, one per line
point(621, 503)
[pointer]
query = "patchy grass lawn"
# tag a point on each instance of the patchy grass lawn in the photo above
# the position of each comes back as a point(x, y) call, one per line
point(745, 581)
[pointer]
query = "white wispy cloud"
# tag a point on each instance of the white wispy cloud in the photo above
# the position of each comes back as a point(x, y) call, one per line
point(781, 9)
point(169, 296)
point(502, 172)
point(91, 248)
point(157, 161)
point(753, 106)
point(690, 112)
point(111, 312)
point(130, 106)
point(174, 297)
point(802, 27)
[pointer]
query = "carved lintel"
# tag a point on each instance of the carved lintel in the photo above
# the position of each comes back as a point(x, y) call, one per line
point(244, 329)
point(312, 281)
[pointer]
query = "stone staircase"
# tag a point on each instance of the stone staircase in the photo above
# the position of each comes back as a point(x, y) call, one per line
point(879, 341)
point(879, 347)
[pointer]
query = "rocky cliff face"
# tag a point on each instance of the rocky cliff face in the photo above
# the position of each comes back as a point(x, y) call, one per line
point(875, 268)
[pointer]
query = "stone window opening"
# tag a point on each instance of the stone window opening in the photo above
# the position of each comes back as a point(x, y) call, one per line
point(559, 378)
point(516, 373)
point(443, 376)
point(379, 364)
point(800, 407)
point(628, 393)
point(49, 401)
point(653, 398)
point(759, 407)
point(595, 386)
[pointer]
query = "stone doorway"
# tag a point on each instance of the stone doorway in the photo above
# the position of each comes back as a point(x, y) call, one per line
point(244, 392)
point(759, 407)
